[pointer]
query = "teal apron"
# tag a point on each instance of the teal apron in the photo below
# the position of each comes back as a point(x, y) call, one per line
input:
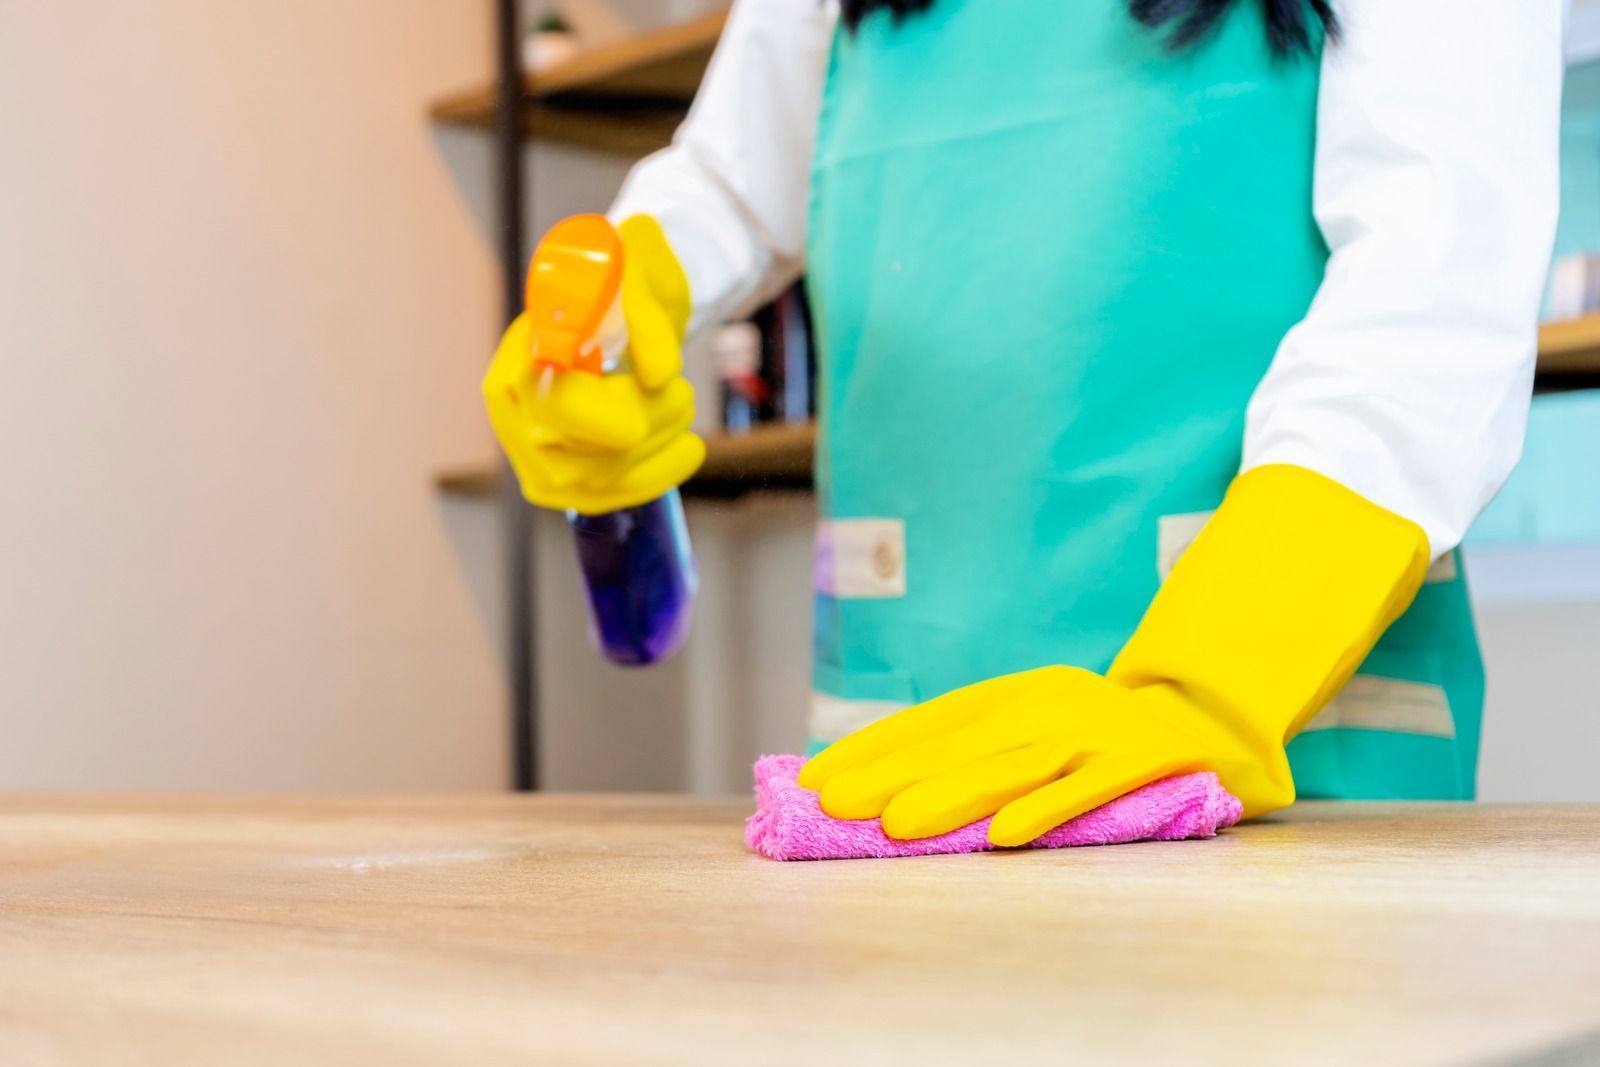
point(1049, 263)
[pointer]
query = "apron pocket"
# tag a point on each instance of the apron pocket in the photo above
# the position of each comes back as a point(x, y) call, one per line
point(1394, 692)
point(1390, 734)
point(842, 703)
point(860, 559)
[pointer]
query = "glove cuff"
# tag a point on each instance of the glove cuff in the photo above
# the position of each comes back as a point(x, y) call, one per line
point(1275, 604)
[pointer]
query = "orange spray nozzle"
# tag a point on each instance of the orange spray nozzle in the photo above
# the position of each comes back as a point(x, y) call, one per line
point(572, 283)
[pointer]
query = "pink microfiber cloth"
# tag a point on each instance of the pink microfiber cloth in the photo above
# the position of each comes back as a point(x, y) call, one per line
point(789, 823)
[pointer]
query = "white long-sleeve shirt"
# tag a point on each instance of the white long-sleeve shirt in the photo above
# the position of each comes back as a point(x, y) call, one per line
point(1435, 189)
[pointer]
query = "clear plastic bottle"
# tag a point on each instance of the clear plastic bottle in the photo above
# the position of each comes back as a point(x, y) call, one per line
point(638, 567)
point(638, 570)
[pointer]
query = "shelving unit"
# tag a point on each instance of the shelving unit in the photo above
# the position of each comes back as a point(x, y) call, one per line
point(1571, 347)
point(625, 97)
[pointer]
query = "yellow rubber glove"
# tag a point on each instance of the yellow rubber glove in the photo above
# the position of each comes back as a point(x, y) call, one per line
point(1260, 623)
point(595, 444)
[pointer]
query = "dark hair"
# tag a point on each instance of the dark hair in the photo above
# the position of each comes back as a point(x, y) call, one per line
point(1289, 22)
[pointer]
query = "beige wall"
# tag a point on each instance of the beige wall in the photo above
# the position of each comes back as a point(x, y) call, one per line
point(245, 291)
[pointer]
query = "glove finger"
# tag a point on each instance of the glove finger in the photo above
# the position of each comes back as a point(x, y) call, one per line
point(661, 437)
point(511, 429)
point(940, 804)
point(574, 469)
point(605, 411)
point(513, 360)
point(952, 711)
point(867, 791)
point(668, 469)
point(656, 301)
point(671, 405)
point(667, 412)
point(1098, 780)
point(655, 347)
point(545, 474)
point(594, 484)
point(538, 489)
point(559, 490)
point(541, 460)
point(591, 470)
point(504, 386)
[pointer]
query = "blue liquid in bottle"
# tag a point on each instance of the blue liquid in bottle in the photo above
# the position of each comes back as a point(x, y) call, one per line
point(639, 571)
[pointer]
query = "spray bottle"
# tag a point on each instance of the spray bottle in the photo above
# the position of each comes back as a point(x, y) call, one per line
point(638, 568)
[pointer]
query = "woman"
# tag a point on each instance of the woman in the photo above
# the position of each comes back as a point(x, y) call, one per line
point(1099, 284)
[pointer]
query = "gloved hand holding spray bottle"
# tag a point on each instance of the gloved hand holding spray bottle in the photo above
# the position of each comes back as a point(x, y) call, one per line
point(587, 398)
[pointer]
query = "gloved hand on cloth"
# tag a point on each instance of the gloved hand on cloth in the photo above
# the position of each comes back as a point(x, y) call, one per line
point(1260, 623)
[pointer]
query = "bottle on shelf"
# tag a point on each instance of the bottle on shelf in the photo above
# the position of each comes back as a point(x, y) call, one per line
point(766, 365)
point(736, 348)
point(788, 359)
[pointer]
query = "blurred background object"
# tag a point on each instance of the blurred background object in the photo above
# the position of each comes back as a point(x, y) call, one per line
point(736, 347)
point(254, 540)
point(552, 40)
point(767, 365)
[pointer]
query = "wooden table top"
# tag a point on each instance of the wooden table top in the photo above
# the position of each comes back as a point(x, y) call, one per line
point(639, 929)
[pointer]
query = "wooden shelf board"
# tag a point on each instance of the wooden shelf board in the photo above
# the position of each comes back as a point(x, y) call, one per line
point(644, 81)
point(774, 451)
point(635, 133)
point(1571, 347)
point(776, 455)
point(667, 61)
point(477, 480)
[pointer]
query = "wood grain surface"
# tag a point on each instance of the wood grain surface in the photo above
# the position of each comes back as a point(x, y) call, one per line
point(638, 930)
